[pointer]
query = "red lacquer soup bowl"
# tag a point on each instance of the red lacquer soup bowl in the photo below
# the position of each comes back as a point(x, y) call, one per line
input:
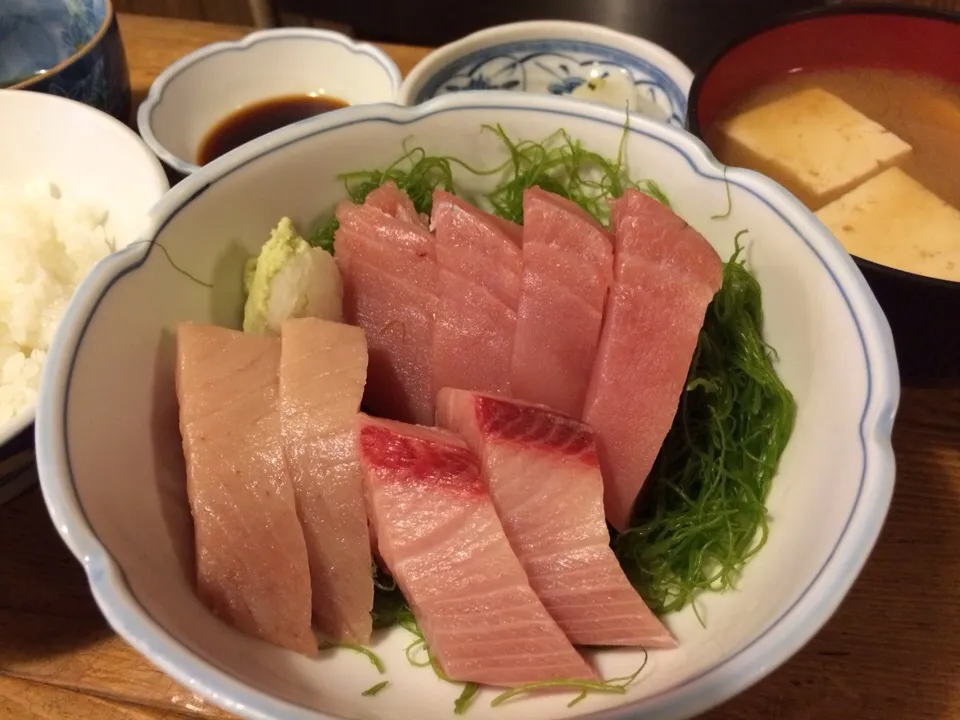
point(924, 312)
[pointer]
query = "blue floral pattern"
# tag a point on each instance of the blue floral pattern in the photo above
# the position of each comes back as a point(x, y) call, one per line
point(566, 67)
point(36, 35)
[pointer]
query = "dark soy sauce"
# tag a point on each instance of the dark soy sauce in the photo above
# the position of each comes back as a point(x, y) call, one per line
point(252, 121)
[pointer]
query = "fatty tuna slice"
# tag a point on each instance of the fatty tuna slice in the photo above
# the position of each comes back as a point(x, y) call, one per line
point(666, 275)
point(252, 567)
point(567, 271)
point(478, 289)
point(542, 471)
point(323, 367)
point(391, 200)
point(389, 285)
point(440, 537)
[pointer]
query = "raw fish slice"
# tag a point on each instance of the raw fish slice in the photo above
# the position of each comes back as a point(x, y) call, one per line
point(416, 269)
point(397, 319)
point(440, 536)
point(478, 289)
point(543, 474)
point(390, 277)
point(252, 566)
point(323, 367)
point(666, 275)
point(567, 271)
point(390, 199)
point(391, 232)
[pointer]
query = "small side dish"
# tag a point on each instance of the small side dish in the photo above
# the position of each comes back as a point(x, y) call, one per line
point(554, 57)
point(312, 71)
point(64, 206)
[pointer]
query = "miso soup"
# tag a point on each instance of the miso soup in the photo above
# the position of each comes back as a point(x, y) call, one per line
point(876, 153)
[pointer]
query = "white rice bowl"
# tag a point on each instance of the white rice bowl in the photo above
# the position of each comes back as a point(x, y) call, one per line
point(74, 183)
point(48, 243)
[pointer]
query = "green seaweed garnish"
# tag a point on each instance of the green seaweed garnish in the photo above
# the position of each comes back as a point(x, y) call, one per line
point(461, 704)
point(365, 651)
point(615, 685)
point(374, 689)
point(561, 164)
point(703, 515)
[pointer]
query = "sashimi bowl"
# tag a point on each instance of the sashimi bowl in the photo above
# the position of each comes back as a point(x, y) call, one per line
point(113, 473)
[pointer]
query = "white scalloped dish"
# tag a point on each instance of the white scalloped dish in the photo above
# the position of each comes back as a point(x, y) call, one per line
point(192, 95)
point(111, 463)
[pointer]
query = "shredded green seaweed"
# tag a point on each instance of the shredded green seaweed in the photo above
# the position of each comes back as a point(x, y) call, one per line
point(615, 685)
point(418, 654)
point(561, 164)
point(374, 689)
point(365, 651)
point(463, 702)
point(703, 515)
point(726, 186)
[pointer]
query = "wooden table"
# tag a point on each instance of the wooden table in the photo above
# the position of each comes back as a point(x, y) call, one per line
point(892, 652)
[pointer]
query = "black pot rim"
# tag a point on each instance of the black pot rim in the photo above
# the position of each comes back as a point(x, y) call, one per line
point(789, 18)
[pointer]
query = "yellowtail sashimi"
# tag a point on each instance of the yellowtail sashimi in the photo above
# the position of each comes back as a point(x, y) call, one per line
point(440, 537)
point(542, 471)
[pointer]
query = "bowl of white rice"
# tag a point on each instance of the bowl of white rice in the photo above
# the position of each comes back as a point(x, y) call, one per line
point(75, 186)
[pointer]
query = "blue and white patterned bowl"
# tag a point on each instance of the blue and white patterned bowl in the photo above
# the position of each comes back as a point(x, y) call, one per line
point(578, 60)
point(70, 48)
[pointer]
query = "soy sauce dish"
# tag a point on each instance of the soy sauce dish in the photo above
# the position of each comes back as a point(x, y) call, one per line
point(228, 93)
point(856, 111)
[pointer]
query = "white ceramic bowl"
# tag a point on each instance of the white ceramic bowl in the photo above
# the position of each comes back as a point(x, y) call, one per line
point(90, 156)
point(112, 472)
point(557, 57)
point(190, 96)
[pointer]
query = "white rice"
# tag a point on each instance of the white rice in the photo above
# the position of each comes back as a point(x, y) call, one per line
point(48, 243)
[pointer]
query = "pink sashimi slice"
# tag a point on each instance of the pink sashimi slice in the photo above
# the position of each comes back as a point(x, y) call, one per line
point(543, 474)
point(390, 199)
point(666, 275)
point(440, 536)
point(389, 232)
point(389, 275)
point(478, 290)
point(252, 567)
point(323, 368)
point(567, 271)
